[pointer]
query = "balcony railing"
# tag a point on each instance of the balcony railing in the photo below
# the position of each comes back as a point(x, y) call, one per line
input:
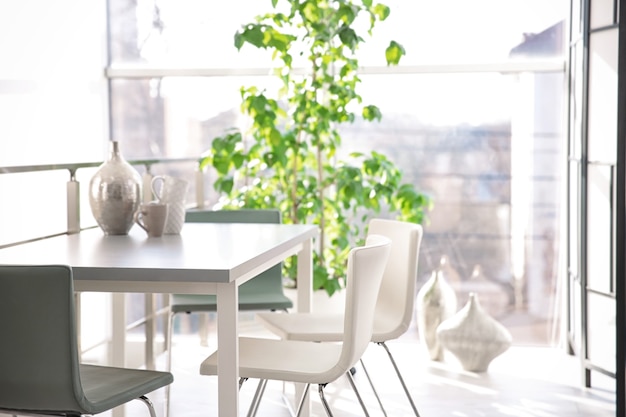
point(151, 312)
point(72, 187)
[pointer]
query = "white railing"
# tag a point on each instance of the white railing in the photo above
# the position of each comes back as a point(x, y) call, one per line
point(151, 314)
point(72, 188)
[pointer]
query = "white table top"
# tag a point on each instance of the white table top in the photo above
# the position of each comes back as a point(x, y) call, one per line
point(204, 253)
point(204, 258)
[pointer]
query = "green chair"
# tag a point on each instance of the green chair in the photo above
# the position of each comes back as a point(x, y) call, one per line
point(40, 370)
point(264, 292)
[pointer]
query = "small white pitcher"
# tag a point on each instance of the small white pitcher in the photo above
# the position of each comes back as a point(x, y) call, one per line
point(171, 190)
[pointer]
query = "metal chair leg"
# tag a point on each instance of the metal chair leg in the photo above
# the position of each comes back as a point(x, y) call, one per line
point(320, 389)
point(406, 390)
point(149, 404)
point(382, 408)
point(256, 400)
point(356, 391)
point(305, 393)
point(325, 403)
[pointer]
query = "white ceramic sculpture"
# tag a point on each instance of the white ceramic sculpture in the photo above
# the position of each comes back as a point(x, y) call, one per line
point(473, 336)
point(436, 301)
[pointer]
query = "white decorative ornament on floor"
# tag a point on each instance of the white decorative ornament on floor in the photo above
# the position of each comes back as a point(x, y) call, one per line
point(436, 301)
point(473, 336)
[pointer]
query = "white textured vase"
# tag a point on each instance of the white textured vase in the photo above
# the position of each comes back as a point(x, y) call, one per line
point(436, 301)
point(473, 336)
point(115, 194)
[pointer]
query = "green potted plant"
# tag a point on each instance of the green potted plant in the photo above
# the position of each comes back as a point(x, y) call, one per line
point(288, 158)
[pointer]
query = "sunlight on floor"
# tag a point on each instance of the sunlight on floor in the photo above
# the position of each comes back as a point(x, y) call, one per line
point(522, 382)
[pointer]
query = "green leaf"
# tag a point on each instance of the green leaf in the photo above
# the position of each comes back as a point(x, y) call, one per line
point(204, 162)
point(372, 113)
point(239, 41)
point(348, 37)
point(275, 137)
point(224, 184)
point(332, 285)
point(254, 34)
point(238, 160)
point(394, 52)
point(310, 11)
point(269, 158)
point(278, 40)
point(381, 11)
point(257, 103)
point(221, 164)
point(347, 13)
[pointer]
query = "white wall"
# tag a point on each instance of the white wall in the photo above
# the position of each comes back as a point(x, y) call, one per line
point(52, 88)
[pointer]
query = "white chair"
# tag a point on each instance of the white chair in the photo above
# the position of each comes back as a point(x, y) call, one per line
point(319, 363)
point(394, 307)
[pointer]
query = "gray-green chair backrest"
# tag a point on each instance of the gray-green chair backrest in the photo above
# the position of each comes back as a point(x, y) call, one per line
point(233, 216)
point(39, 362)
point(264, 292)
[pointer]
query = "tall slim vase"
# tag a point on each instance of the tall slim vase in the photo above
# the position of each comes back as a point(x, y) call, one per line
point(436, 302)
point(115, 193)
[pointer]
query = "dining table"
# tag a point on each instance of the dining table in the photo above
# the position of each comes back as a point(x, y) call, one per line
point(205, 258)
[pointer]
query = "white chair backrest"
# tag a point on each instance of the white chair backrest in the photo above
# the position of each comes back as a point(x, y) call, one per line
point(396, 298)
point(366, 265)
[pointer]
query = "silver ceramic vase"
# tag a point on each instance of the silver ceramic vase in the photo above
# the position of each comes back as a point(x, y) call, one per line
point(436, 301)
point(115, 194)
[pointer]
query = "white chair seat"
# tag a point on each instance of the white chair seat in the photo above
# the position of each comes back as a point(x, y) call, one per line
point(295, 361)
point(320, 327)
point(311, 327)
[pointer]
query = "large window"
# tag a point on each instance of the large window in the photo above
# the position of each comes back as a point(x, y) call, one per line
point(473, 115)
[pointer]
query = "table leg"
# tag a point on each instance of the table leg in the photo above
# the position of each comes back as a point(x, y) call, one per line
point(150, 330)
point(305, 277)
point(118, 329)
point(228, 346)
point(118, 338)
point(305, 303)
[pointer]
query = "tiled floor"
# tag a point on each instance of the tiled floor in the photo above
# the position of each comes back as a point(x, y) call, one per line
point(523, 382)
